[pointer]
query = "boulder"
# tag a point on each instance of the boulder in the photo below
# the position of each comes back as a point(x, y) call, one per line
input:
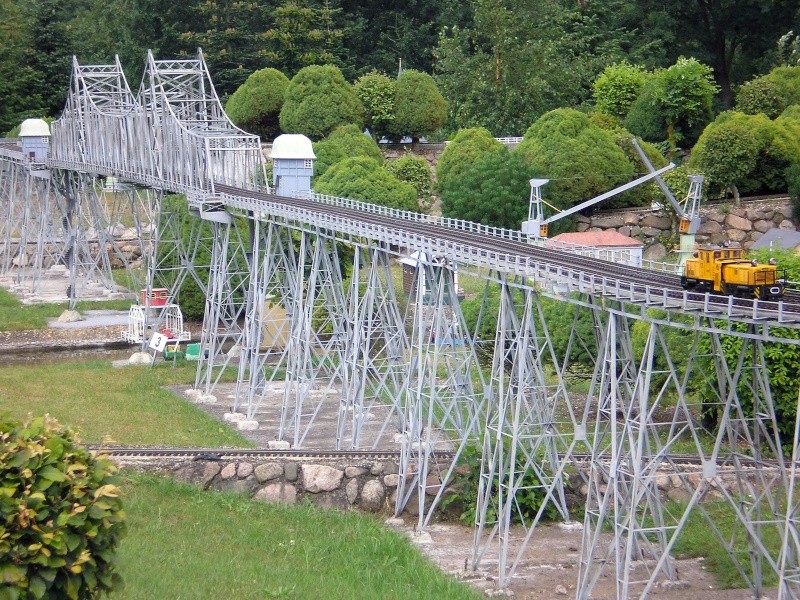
point(372, 495)
point(277, 493)
point(268, 471)
point(321, 478)
point(736, 222)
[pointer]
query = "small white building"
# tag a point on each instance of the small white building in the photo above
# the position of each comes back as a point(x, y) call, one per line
point(292, 164)
point(34, 135)
point(609, 245)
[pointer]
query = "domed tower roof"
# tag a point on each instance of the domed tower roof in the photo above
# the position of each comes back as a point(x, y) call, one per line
point(34, 128)
point(292, 146)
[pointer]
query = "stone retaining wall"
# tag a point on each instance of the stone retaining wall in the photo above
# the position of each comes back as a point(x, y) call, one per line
point(742, 225)
point(370, 487)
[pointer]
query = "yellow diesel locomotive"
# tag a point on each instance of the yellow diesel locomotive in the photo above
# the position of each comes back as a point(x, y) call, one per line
point(727, 271)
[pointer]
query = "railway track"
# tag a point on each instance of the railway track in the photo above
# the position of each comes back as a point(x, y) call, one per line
point(679, 462)
point(222, 454)
point(633, 280)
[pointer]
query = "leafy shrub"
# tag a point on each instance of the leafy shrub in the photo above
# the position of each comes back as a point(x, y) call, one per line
point(793, 184)
point(581, 159)
point(464, 149)
point(616, 89)
point(759, 96)
point(419, 107)
point(317, 101)
point(674, 105)
point(495, 190)
point(414, 170)
point(344, 142)
point(376, 92)
point(61, 515)
point(361, 178)
point(787, 81)
point(256, 105)
point(747, 153)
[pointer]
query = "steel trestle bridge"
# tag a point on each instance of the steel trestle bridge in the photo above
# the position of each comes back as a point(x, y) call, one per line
point(410, 371)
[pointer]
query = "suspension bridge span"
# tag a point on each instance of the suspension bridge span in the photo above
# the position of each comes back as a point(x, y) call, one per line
point(407, 370)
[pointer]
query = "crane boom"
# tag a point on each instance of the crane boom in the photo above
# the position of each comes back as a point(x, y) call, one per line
point(617, 190)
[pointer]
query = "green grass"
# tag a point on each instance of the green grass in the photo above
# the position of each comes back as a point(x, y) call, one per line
point(127, 405)
point(184, 543)
point(15, 316)
point(697, 539)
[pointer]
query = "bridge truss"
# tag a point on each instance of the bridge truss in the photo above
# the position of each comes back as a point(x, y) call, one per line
point(305, 294)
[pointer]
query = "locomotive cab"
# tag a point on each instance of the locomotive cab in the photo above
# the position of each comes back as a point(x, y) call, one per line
point(727, 271)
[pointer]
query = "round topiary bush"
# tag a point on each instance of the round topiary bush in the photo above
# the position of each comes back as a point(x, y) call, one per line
point(255, 106)
point(61, 515)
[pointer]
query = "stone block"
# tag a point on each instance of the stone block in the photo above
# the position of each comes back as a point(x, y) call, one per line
point(736, 222)
point(277, 493)
point(372, 495)
point(290, 471)
point(199, 472)
point(351, 491)
point(268, 471)
point(239, 486)
point(233, 417)
point(278, 445)
point(391, 480)
point(321, 478)
point(244, 470)
point(228, 471)
point(351, 472)
point(247, 425)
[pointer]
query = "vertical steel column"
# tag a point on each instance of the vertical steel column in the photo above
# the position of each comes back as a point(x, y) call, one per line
point(443, 412)
point(375, 353)
point(318, 337)
point(528, 441)
point(269, 315)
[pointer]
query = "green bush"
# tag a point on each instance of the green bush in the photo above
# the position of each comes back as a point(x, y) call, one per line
point(464, 149)
point(361, 178)
point(616, 89)
point(419, 107)
point(61, 516)
point(787, 81)
point(255, 106)
point(463, 494)
point(675, 104)
point(759, 96)
point(344, 142)
point(495, 190)
point(414, 170)
point(376, 92)
point(747, 153)
point(317, 101)
point(580, 159)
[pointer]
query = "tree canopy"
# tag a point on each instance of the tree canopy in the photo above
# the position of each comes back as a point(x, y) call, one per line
point(362, 178)
point(344, 142)
point(318, 99)
point(580, 158)
point(419, 107)
point(494, 190)
point(467, 147)
point(256, 104)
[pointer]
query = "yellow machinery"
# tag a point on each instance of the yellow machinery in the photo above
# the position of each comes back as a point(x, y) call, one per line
point(727, 271)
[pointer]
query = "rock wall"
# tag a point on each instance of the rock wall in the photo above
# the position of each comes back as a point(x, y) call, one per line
point(741, 225)
point(370, 487)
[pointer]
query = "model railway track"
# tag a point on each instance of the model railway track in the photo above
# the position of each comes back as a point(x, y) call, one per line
point(230, 454)
point(634, 281)
point(243, 453)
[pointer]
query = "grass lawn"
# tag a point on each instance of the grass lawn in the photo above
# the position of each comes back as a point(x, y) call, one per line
point(184, 543)
point(15, 316)
point(124, 406)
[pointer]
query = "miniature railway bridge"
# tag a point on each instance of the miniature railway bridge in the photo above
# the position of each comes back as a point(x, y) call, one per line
point(409, 373)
